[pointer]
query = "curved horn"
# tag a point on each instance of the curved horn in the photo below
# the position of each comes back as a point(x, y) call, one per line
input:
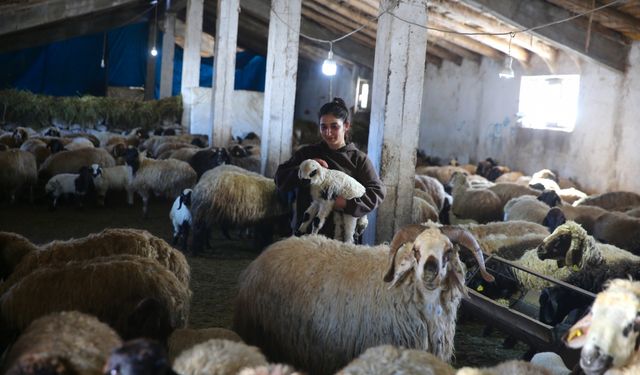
point(404, 235)
point(466, 239)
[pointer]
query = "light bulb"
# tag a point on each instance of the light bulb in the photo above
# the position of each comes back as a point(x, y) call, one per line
point(507, 70)
point(102, 63)
point(154, 51)
point(329, 67)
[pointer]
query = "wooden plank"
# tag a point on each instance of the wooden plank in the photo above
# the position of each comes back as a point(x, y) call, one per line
point(608, 17)
point(530, 13)
point(444, 54)
point(340, 28)
point(461, 51)
point(345, 17)
point(466, 42)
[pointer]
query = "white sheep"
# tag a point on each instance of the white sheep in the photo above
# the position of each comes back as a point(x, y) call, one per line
point(317, 303)
point(387, 359)
point(218, 357)
point(119, 177)
point(326, 185)
point(72, 161)
point(65, 342)
point(180, 216)
point(182, 339)
point(76, 184)
point(609, 334)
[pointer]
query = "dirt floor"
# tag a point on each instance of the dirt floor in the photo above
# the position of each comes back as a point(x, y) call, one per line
point(214, 273)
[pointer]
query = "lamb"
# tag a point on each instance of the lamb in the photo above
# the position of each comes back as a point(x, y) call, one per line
point(218, 357)
point(72, 161)
point(63, 342)
point(608, 335)
point(119, 177)
point(18, 169)
point(387, 359)
point(335, 314)
point(480, 205)
point(164, 177)
point(326, 185)
point(76, 184)
point(232, 196)
point(185, 338)
point(612, 201)
point(139, 357)
point(112, 288)
point(109, 242)
point(181, 217)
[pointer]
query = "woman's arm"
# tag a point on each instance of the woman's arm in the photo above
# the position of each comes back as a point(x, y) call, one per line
point(374, 191)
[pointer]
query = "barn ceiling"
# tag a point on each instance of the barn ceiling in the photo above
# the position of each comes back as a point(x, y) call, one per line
point(603, 36)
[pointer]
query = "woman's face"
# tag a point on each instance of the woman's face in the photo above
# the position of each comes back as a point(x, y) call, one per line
point(332, 130)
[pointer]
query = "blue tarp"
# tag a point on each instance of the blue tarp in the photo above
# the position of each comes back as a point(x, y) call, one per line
point(72, 67)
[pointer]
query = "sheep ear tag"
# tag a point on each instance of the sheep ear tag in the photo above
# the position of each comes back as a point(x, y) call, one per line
point(577, 335)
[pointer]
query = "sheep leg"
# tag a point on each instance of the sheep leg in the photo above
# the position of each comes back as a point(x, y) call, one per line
point(338, 226)
point(349, 227)
point(185, 234)
point(309, 215)
point(325, 209)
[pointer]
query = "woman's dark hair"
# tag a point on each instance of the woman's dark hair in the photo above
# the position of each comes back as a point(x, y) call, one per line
point(336, 107)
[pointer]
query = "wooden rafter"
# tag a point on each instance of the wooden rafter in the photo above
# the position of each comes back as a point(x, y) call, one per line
point(460, 51)
point(443, 53)
point(608, 17)
point(465, 42)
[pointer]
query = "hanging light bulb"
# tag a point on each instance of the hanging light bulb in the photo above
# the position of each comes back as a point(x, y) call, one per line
point(154, 51)
point(329, 67)
point(507, 70)
point(104, 49)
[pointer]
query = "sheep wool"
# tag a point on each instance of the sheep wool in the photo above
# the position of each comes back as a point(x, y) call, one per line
point(18, 169)
point(13, 248)
point(218, 357)
point(185, 338)
point(270, 370)
point(72, 161)
point(506, 368)
point(79, 341)
point(388, 359)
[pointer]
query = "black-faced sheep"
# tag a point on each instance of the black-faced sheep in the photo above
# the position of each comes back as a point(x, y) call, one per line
point(119, 177)
point(583, 215)
point(234, 197)
point(326, 186)
point(180, 217)
point(247, 157)
point(139, 357)
point(609, 334)
point(530, 208)
point(204, 160)
point(65, 342)
point(612, 201)
point(18, 170)
point(74, 184)
point(111, 288)
point(332, 314)
point(218, 357)
point(480, 205)
point(166, 178)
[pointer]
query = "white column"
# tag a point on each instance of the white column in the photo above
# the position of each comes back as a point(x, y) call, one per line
point(398, 76)
point(168, 49)
point(224, 71)
point(191, 58)
point(280, 84)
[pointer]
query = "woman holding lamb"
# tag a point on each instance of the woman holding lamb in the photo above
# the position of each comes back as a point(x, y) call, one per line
point(333, 152)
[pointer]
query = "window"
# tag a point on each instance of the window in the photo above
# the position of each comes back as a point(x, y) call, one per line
point(362, 95)
point(549, 102)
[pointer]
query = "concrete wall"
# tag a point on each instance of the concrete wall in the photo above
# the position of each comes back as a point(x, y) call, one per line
point(470, 113)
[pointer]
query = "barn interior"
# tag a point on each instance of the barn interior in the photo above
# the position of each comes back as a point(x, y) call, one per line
point(510, 120)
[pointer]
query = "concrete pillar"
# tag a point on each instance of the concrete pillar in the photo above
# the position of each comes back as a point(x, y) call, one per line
point(150, 79)
point(225, 69)
point(398, 76)
point(191, 58)
point(280, 84)
point(168, 49)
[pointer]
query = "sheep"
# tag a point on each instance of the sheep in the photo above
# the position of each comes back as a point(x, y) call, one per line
point(509, 177)
point(326, 185)
point(232, 196)
point(507, 191)
point(65, 342)
point(79, 143)
point(185, 338)
point(571, 195)
point(618, 229)
point(72, 161)
point(480, 205)
point(184, 154)
point(164, 177)
point(530, 208)
point(218, 357)
point(583, 215)
point(207, 159)
point(612, 201)
point(38, 148)
point(608, 335)
point(13, 247)
point(112, 241)
point(180, 217)
point(332, 314)
point(16, 138)
point(507, 237)
point(119, 177)
point(113, 288)
point(387, 359)
point(18, 169)
point(423, 211)
point(247, 157)
point(166, 148)
point(442, 174)
point(276, 369)
point(433, 187)
point(506, 368)
point(138, 357)
point(76, 184)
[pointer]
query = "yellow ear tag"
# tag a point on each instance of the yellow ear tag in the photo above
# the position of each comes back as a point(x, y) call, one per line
point(576, 268)
point(574, 334)
point(480, 288)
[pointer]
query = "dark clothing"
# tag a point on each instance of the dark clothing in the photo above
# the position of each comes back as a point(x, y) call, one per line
point(347, 159)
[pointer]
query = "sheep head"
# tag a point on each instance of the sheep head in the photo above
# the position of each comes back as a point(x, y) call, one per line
point(95, 170)
point(609, 335)
point(312, 170)
point(566, 245)
point(458, 181)
point(185, 198)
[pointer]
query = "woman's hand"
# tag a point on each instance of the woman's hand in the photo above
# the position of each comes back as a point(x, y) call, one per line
point(322, 162)
point(340, 203)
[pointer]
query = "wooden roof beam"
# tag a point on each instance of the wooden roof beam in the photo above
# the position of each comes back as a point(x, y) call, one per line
point(333, 24)
point(341, 15)
point(443, 53)
point(608, 17)
point(466, 42)
point(570, 34)
point(461, 51)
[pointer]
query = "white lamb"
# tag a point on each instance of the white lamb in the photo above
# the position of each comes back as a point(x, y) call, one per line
point(326, 185)
point(68, 184)
point(180, 216)
point(119, 177)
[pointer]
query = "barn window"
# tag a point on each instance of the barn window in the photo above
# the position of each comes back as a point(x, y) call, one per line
point(362, 94)
point(549, 102)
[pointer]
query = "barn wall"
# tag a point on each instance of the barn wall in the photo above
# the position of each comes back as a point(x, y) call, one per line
point(470, 113)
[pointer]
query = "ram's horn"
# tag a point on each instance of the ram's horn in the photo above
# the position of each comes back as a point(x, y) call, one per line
point(466, 239)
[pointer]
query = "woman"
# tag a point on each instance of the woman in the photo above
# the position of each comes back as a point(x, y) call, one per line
point(332, 152)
